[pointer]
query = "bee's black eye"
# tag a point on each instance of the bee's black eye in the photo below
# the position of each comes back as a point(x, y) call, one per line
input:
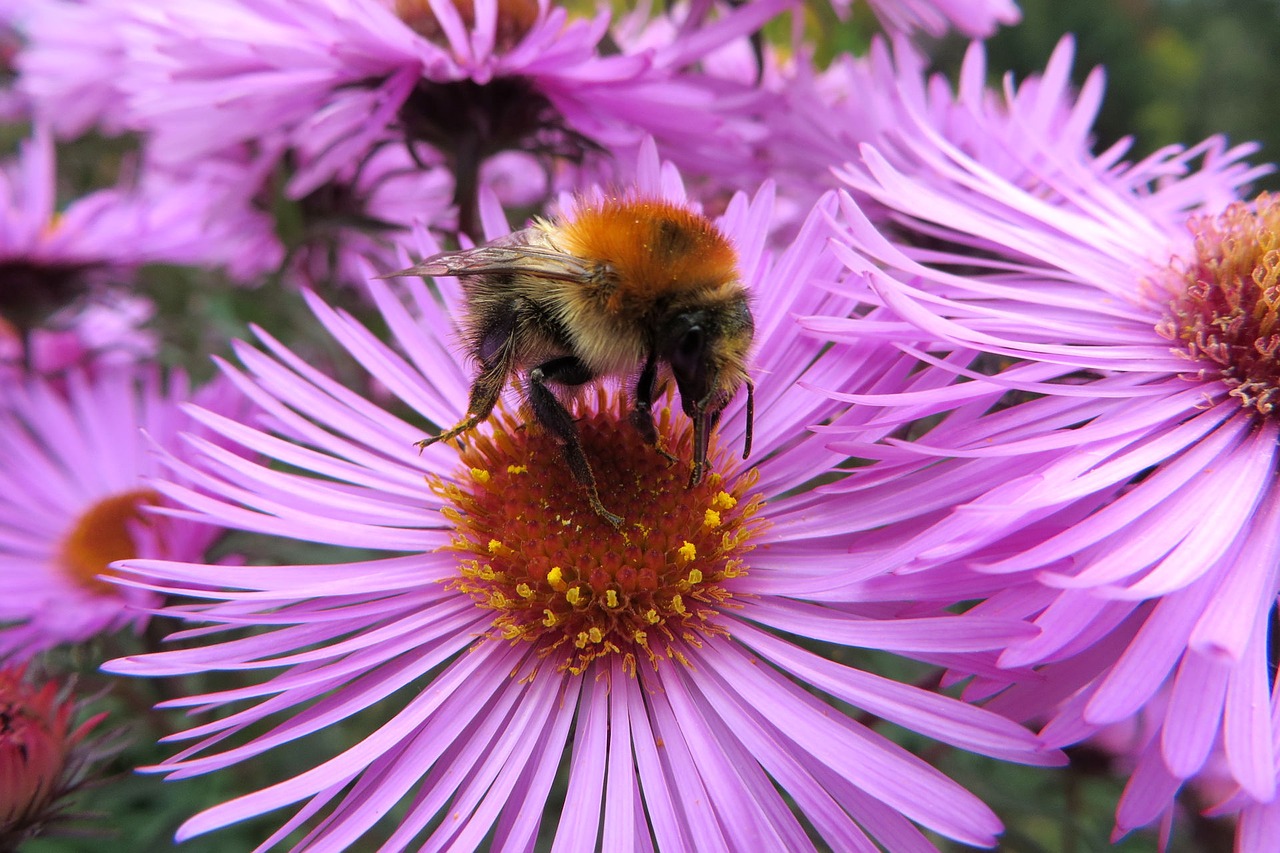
point(687, 356)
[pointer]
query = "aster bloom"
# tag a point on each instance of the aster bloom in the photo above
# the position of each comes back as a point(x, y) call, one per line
point(49, 256)
point(70, 63)
point(363, 214)
point(1130, 505)
point(323, 236)
point(974, 18)
point(514, 632)
point(105, 334)
point(75, 496)
point(44, 755)
point(823, 115)
point(13, 106)
point(341, 77)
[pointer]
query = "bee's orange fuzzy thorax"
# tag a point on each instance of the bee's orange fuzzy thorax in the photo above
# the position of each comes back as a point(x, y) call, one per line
point(652, 245)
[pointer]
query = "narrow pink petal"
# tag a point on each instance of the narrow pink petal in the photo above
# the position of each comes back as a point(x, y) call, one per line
point(621, 788)
point(347, 765)
point(1194, 715)
point(580, 817)
point(887, 825)
point(1248, 731)
point(697, 809)
point(1259, 827)
point(770, 747)
point(518, 826)
point(339, 702)
point(1251, 582)
point(1228, 502)
point(939, 717)
point(304, 814)
point(936, 634)
point(870, 761)
point(670, 828)
point(733, 777)
point(1150, 657)
point(1118, 514)
point(1148, 795)
point(1069, 614)
point(502, 751)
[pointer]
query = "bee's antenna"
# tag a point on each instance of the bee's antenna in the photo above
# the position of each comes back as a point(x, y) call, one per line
point(751, 418)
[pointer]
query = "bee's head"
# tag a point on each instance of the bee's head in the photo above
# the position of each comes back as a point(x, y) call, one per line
point(706, 347)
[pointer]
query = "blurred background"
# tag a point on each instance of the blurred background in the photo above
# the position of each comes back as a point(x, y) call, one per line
point(1177, 70)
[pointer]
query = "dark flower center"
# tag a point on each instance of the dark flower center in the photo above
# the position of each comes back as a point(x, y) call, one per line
point(102, 535)
point(1227, 312)
point(555, 573)
point(469, 122)
point(32, 292)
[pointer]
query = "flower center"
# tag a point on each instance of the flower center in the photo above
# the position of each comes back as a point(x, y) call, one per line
point(33, 292)
point(515, 19)
point(556, 574)
point(103, 535)
point(1227, 313)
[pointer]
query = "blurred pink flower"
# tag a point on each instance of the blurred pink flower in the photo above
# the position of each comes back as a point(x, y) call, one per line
point(338, 78)
point(973, 18)
point(71, 64)
point(106, 333)
point(51, 256)
point(75, 495)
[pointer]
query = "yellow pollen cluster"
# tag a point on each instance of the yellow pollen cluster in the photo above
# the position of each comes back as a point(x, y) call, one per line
point(557, 575)
point(1226, 308)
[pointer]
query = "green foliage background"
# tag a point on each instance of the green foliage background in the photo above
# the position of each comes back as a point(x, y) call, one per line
point(1177, 70)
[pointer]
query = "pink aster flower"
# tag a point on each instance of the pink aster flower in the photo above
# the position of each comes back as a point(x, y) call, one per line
point(513, 633)
point(70, 64)
point(105, 334)
point(887, 100)
point(339, 77)
point(362, 214)
point(1131, 505)
point(75, 496)
point(974, 18)
point(49, 256)
point(13, 106)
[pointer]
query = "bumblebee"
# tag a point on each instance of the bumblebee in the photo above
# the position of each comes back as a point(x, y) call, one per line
point(642, 289)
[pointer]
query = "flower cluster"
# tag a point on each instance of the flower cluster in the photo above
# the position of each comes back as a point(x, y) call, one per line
point(803, 414)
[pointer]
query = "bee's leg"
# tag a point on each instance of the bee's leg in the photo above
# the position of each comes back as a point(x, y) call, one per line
point(552, 414)
point(496, 353)
point(641, 416)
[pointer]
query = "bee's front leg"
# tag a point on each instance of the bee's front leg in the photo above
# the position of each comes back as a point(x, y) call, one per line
point(641, 416)
point(552, 414)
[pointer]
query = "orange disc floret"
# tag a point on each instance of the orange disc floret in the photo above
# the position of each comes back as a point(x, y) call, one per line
point(531, 548)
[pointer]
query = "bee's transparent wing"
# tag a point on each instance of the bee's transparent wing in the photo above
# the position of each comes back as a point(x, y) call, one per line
point(515, 253)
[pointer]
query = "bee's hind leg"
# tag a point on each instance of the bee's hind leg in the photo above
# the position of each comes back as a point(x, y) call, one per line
point(641, 416)
point(485, 392)
point(484, 397)
point(552, 414)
